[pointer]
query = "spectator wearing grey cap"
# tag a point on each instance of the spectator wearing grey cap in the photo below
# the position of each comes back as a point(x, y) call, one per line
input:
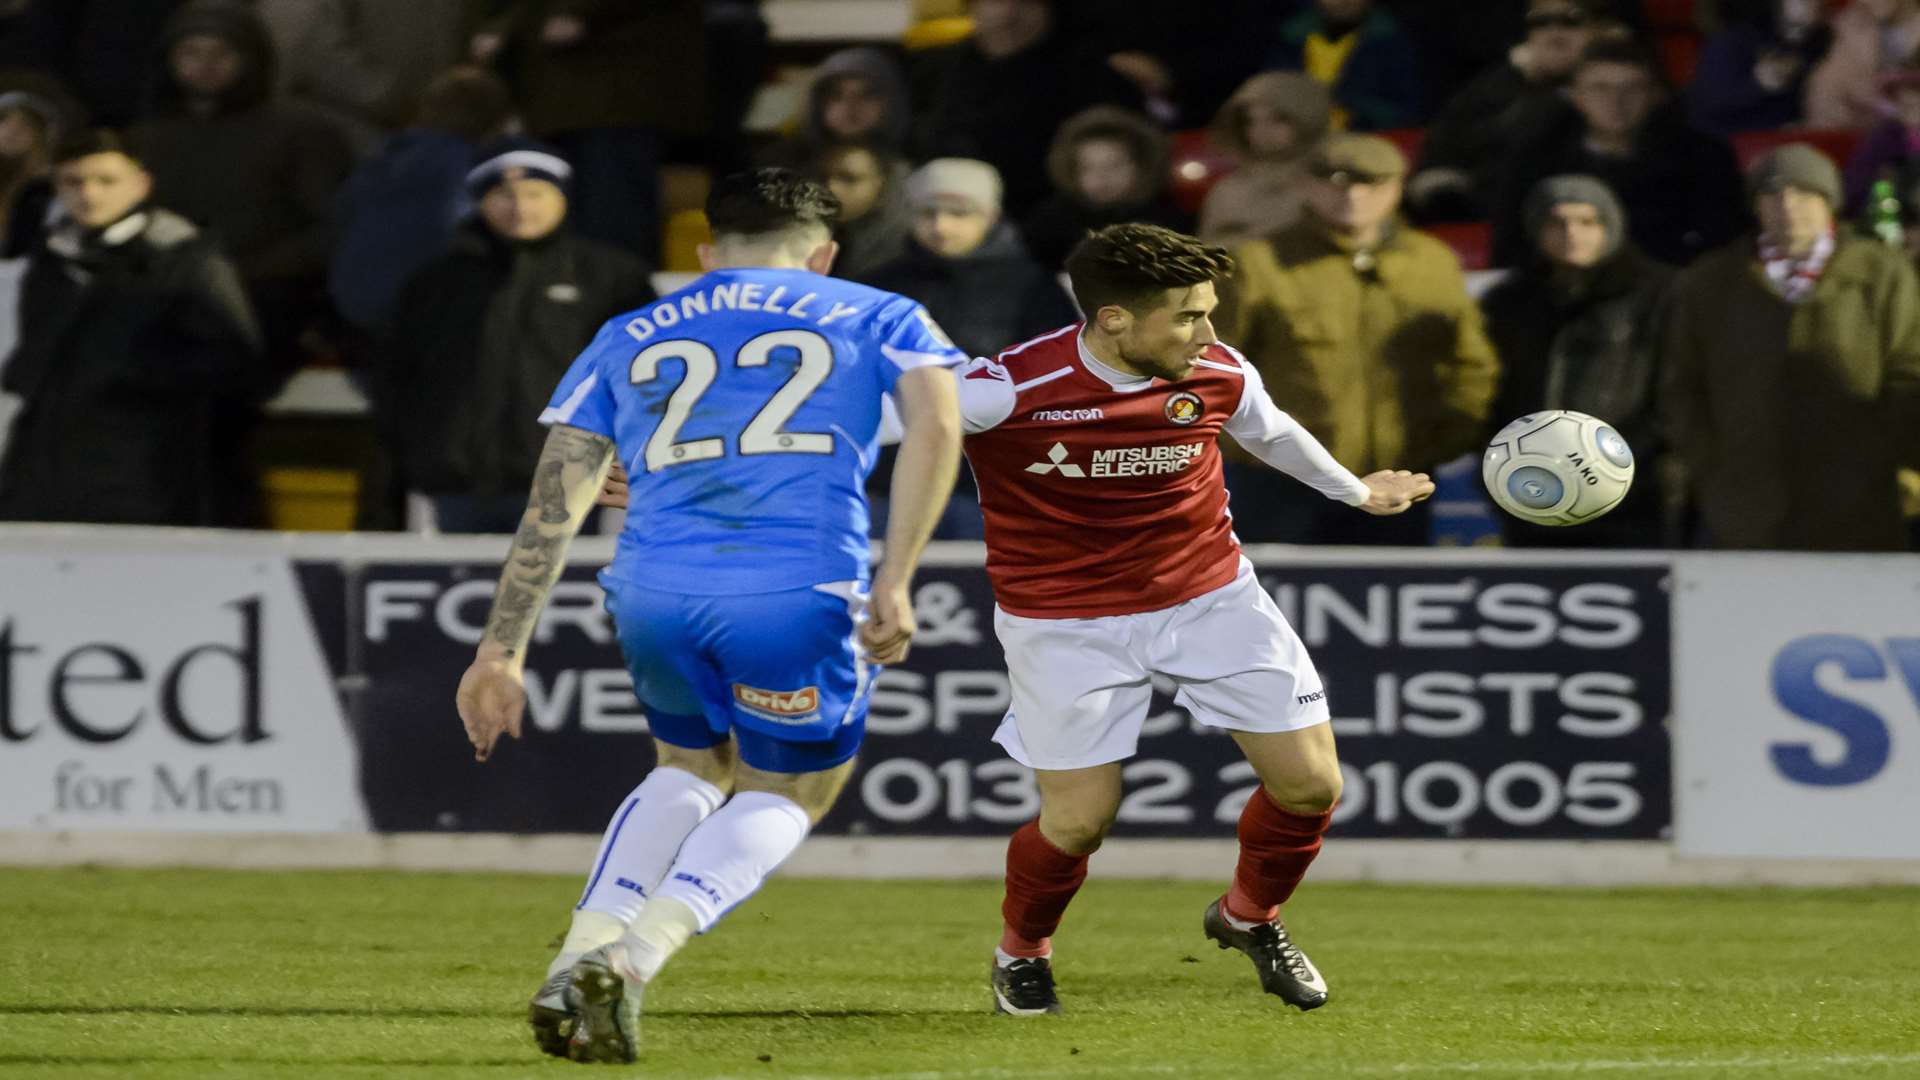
point(1577, 327)
point(1792, 362)
point(968, 265)
point(1363, 329)
point(488, 329)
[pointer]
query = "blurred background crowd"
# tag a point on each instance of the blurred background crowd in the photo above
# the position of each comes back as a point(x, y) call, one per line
point(1693, 218)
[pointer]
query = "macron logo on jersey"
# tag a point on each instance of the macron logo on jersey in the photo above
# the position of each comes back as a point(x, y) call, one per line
point(1067, 416)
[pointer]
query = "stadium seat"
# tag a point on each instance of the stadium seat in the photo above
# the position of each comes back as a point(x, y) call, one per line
point(1409, 140)
point(1670, 16)
point(1750, 146)
point(1195, 165)
point(1472, 241)
point(1679, 56)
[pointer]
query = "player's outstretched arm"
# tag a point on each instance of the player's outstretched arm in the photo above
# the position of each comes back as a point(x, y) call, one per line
point(572, 467)
point(923, 478)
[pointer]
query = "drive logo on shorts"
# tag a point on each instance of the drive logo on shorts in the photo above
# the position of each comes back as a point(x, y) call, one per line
point(781, 706)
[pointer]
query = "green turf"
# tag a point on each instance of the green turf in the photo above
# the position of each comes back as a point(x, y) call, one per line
point(193, 973)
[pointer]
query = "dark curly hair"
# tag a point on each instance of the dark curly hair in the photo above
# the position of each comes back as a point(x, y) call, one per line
point(763, 201)
point(1132, 265)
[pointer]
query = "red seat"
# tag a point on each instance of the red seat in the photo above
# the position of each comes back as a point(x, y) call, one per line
point(1669, 15)
point(1409, 140)
point(1472, 241)
point(1751, 146)
point(1679, 57)
point(1194, 166)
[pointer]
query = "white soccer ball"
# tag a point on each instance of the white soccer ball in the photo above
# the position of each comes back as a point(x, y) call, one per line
point(1558, 467)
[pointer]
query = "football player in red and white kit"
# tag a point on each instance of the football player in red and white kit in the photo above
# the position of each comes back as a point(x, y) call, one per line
point(1113, 560)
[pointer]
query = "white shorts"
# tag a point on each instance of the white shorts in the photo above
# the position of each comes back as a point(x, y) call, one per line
point(1082, 687)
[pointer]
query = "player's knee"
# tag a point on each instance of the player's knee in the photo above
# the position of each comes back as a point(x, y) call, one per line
point(1076, 832)
point(1310, 791)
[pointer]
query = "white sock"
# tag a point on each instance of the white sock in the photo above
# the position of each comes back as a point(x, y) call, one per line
point(726, 858)
point(643, 838)
point(663, 926)
point(1237, 924)
point(1001, 958)
point(590, 930)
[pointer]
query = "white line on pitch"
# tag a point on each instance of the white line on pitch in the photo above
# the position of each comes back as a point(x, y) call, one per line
point(1533, 1068)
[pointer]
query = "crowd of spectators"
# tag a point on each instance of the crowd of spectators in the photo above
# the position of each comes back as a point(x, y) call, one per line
point(198, 198)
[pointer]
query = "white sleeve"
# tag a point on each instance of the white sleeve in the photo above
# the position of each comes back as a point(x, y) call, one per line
point(986, 400)
point(986, 395)
point(1264, 431)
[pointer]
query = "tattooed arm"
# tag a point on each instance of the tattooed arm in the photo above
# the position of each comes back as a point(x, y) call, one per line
point(492, 698)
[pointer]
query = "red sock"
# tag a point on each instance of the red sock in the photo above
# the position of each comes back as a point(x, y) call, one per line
point(1276, 847)
point(1041, 881)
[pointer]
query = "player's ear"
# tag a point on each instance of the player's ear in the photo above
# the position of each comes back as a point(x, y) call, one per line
point(1113, 319)
point(820, 259)
point(705, 254)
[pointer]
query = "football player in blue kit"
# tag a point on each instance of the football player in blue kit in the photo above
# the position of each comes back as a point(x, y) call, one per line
point(745, 411)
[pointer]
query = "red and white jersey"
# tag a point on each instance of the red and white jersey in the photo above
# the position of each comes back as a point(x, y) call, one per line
point(1102, 491)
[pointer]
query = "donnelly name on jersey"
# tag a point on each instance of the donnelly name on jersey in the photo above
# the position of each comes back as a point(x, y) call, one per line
point(736, 296)
point(1146, 460)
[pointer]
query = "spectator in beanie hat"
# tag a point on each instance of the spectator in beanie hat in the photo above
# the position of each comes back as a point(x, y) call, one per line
point(1794, 356)
point(1577, 327)
point(968, 265)
point(234, 157)
point(489, 329)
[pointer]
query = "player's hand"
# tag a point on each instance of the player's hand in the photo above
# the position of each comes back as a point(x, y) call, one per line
point(492, 699)
point(1394, 491)
point(614, 491)
point(890, 622)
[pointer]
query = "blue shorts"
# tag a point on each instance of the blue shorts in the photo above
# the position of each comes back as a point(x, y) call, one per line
point(780, 673)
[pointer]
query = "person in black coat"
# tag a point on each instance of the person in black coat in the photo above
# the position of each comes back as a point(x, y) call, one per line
point(1578, 327)
point(133, 327)
point(1681, 188)
point(968, 266)
point(1109, 166)
point(1000, 95)
point(1468, 143)
point(971, 270)
point(260, 172)
point(481, 335)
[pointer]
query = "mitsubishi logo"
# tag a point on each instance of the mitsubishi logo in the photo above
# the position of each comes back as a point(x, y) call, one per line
point(1056, 459)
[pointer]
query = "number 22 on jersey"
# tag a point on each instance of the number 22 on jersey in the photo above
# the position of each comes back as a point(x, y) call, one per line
point(765, 433)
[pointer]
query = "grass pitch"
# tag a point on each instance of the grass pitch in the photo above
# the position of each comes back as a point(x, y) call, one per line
point(108, 973)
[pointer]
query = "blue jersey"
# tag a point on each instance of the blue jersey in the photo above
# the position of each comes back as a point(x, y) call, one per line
point(746, 410)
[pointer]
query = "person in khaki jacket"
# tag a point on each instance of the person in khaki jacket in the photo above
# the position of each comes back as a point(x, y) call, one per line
point(1364, 332)
point(1793, 374)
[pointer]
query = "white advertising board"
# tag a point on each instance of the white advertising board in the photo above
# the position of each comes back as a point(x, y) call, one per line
point(166, 690)
point(1797, 711)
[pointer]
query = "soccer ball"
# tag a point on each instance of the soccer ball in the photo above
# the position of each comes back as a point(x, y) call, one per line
point(1557, 467)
